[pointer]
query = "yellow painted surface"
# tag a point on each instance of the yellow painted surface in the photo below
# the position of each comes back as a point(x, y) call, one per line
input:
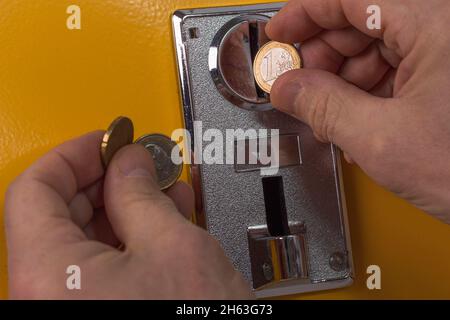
point(56, 84)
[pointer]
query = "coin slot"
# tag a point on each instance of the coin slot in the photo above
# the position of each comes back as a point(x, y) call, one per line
point(254, 35)
point(231, 57)
point(275, 202)
point(194, 33)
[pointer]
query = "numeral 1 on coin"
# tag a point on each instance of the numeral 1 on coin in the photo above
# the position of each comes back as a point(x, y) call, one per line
point(269, 62)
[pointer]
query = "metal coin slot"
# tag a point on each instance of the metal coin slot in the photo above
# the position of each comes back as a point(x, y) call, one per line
point(231, 58)
point(254, 39)
point(278, 251)
point(276, 213)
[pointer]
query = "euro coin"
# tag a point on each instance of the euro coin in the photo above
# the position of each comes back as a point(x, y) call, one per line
point(162, 147)
point(119, 134)
point(273, 60)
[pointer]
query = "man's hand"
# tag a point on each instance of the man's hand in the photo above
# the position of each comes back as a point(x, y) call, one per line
point(383, 96)
point(62, 212)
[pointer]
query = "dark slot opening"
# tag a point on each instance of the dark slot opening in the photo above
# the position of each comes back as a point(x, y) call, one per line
point(253, 33)
point(194, 33)
point(276, 213)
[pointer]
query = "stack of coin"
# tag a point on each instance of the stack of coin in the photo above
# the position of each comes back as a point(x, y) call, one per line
point(121, 133)
point(273, 60)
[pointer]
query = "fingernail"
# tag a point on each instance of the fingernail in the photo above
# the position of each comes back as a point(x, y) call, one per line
point(135, 161)
point(284, 96)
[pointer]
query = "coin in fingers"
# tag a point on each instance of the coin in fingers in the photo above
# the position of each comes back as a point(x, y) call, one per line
point(119, 134)
point(162, 147)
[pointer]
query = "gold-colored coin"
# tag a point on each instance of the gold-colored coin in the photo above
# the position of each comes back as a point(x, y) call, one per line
point(273, 60)
point(119, 134)
point(161, 147)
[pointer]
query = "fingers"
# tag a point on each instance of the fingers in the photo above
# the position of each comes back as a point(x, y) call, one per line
point(38, 200)
point(99, 229)
point(300, 20)
point(84, 203)
point(389, 55)
point(295, 24)
point(317, 54)
point(183, 197)
point(328, 50)
point(337, 111)
point(81, 210)
point(366, 69)
point(138, 211)
point(385, 88)
point(356, 57)
point(70, 167)
point(348, 42)
point(82, 156)
point(94, 193)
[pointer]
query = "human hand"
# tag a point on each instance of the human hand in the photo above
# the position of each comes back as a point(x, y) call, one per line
point(382, 95)
point(62, 212)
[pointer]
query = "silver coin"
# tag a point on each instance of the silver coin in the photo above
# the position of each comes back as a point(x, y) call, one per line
point(161, 148)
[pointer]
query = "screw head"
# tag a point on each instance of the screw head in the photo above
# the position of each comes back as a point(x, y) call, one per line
point(338, 261)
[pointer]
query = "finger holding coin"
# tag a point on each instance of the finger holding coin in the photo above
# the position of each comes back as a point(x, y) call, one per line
point(121, 133)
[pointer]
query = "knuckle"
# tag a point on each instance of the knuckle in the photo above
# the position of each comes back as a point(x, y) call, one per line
point(324, 9)
point(324, 113)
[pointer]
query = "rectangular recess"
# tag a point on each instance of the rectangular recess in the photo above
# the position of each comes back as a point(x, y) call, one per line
point(289, 153)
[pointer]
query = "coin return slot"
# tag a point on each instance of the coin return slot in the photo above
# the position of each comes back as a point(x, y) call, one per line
point(277, 251)
point(276, 213)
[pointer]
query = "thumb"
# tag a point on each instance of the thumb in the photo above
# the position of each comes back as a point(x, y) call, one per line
point(336, 110)
point(137, 210)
